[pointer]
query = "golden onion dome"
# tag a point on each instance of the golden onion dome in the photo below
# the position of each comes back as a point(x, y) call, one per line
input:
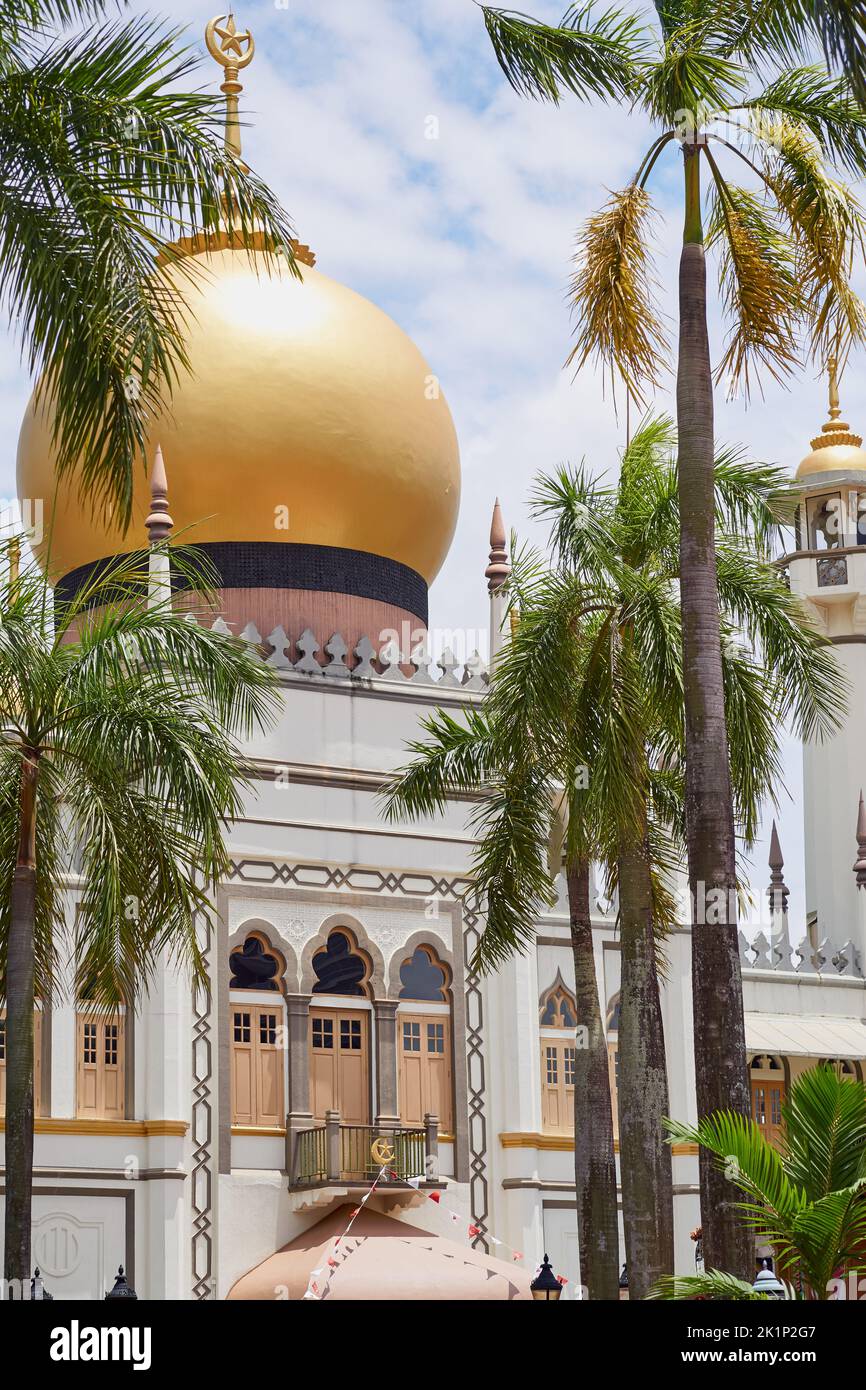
point(308, 417)
point(308, 449)
point(836, 449)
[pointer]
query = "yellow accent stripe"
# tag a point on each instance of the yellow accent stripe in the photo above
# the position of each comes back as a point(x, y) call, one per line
point(260, 1131)
point(150, 1128)
point(562, 1143)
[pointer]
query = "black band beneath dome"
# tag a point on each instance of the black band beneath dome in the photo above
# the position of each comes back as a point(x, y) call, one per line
point(289, 565)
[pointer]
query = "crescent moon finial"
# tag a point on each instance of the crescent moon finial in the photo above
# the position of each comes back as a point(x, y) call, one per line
point(233, 49)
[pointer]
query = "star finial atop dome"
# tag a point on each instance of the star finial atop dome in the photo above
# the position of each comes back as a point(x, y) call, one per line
point(233, 49)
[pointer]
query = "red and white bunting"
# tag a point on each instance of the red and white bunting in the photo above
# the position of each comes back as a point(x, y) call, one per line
point(317, 1287)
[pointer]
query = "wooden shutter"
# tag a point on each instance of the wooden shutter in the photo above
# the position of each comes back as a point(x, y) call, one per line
point(323, 1062)
point(101, 1067)
point(269, 1071)
point(37, 1063)
point(340, 1064)
point(438, 1067)
point(557, 1085)
point(353, 1076)
point(243, 1067)
point(257, 1066)
point(425, 1069)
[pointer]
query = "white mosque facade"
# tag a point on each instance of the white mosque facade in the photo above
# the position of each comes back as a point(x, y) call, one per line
point(193, 1137)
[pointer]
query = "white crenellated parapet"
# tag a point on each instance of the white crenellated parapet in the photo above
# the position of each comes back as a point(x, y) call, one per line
point(802, 959)
point(333, 660)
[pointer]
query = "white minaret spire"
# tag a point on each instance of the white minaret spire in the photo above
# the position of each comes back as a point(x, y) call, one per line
point(827, 571)
point(497, 575)
point(777, 893)
point(159, 527)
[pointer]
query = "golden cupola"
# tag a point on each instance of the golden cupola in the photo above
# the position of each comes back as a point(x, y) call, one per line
point(309, 451)
point(836, 449)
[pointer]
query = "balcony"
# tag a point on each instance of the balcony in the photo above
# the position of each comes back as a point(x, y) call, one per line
point(339, 1155)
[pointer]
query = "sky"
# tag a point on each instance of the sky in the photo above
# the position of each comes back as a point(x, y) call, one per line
point(423, 182)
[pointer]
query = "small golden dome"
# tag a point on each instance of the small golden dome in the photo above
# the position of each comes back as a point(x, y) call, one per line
point(308, 417)
point(836, 449)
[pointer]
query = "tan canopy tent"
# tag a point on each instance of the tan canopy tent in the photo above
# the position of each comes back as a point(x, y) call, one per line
point(382, 1259)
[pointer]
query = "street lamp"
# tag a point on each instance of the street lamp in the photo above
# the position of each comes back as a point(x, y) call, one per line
point(38, 1289)
point(545, 1284)
point(121, 1288)
point(767, 1283)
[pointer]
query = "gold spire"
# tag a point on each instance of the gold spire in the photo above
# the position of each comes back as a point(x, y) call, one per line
point(836, 448)
point(233, 49)
point(835, 431)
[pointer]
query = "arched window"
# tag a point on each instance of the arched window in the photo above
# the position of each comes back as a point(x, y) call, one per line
point(843, 1066)
point(558, 1008)
point(423, 976)
point(256, 965)
point(767, 1084)
point(340, 968)
point(257, 1034)
point(424, 1040)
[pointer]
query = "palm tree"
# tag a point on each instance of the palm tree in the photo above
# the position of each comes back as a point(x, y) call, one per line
point(105, 161)
point(785, 251)
point(118, 721)
point(593, 677)
point(807, 1200)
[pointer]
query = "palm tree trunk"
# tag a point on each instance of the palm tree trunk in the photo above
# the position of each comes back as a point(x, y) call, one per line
point(19, 1042)
point(644, 1156)
point(594, 1160)
point(720, 1046)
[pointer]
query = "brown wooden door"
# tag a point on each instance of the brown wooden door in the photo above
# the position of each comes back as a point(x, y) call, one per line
point(340, 1064)
point(425, 1069)
point(557, 1085)
point(37, 1063)
point(100, 1085)
point(257, 1066)
point(767, 1097)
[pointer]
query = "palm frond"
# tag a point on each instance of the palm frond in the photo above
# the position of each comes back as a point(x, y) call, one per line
point(713, 1284)
point(613, 293)
point(823, 105)
point(758, 286)
point(589, 53)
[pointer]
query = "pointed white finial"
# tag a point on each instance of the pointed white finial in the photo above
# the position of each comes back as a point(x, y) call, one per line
point(159, 524)
point(498, 568)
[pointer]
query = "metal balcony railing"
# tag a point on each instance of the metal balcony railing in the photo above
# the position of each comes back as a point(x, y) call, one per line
point(338, 1153)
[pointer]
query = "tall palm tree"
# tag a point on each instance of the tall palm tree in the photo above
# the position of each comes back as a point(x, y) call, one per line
point(785, 243)
point(118, 728)
point(105, 160)
point(593, 678)
point(807, 1200)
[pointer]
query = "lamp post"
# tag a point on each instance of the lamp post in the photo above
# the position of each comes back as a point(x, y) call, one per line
point(767, 1283)
point(38, 1289)
point(121, 1289)
point(545, 1284)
